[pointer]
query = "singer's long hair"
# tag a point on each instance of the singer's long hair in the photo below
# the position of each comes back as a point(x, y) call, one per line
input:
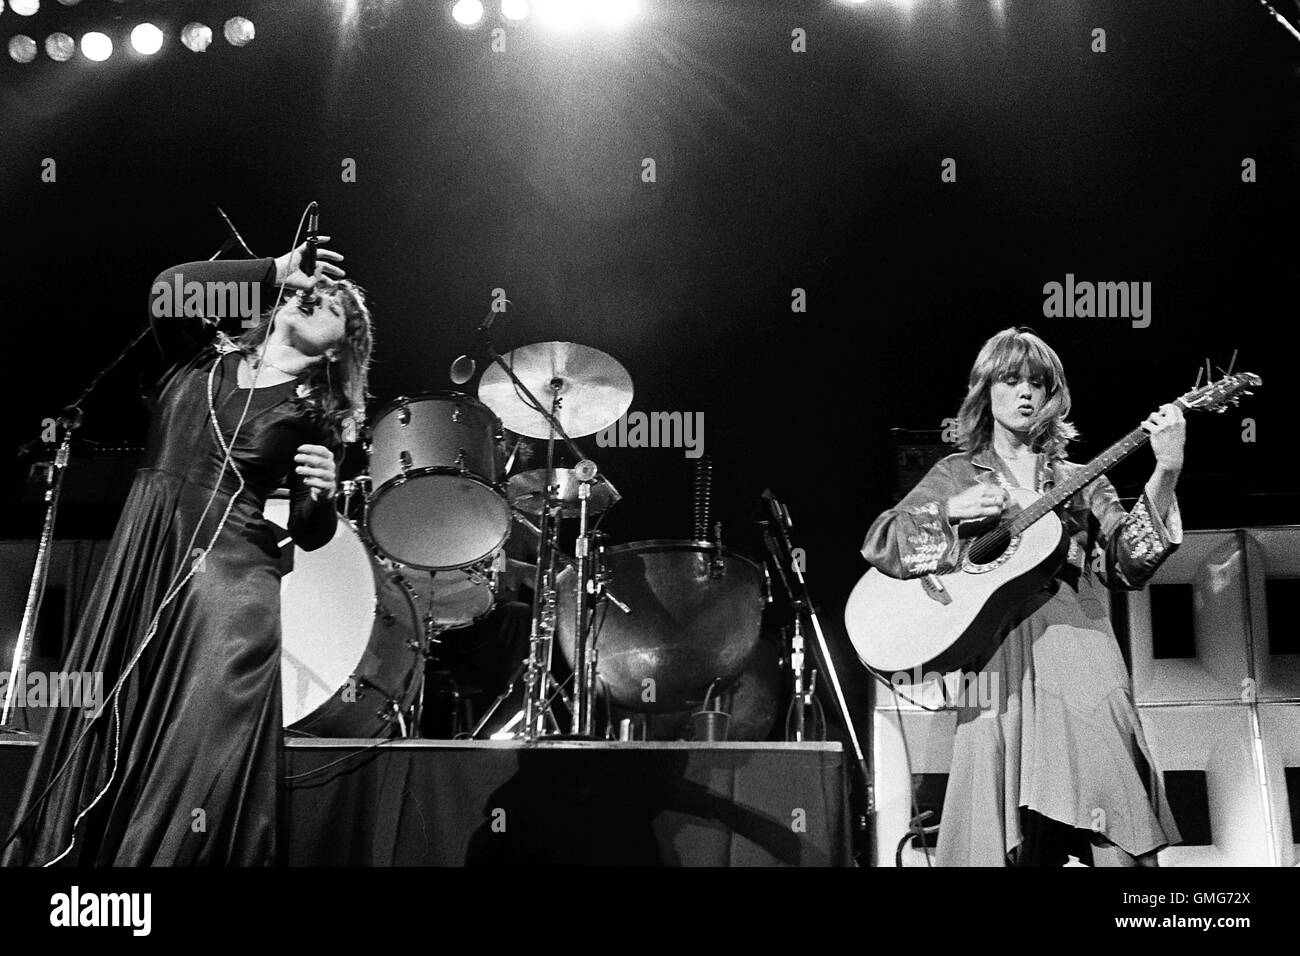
point(1017, 351)
point(336, 391)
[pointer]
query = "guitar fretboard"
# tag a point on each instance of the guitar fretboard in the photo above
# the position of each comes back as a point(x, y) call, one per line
point(1080, 479)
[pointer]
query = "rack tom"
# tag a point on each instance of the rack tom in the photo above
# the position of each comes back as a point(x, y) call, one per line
point(435, 469)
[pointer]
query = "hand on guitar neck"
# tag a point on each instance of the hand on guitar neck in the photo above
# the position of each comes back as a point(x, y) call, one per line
point(1168, 431)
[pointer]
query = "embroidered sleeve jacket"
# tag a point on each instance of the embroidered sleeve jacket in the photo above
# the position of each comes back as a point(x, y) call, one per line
point(1121, 548)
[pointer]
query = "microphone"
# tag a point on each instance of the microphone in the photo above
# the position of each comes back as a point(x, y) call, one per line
point(307, 299)
point(462, 369)
point(308, 263)
point(463, 366)
point(775, 552)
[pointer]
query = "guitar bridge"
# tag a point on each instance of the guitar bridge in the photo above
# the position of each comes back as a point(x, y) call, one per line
point(935, 590)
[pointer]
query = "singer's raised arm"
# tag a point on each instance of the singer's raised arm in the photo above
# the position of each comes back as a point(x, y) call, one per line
point(188, 303)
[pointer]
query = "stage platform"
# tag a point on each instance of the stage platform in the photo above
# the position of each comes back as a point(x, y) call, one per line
point(561, 803)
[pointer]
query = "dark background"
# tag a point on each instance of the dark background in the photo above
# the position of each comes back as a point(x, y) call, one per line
point(821, 171)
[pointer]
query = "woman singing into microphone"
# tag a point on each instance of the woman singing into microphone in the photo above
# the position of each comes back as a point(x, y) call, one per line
point(1058, 764)
point(180, 765)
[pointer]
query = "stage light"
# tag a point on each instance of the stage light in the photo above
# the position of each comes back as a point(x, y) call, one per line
point(514, 9)
point(196, 37)
point(96, 46)
point(60, 47)
point(24, 8)
point(616, 13)
point(566, 15)
point(147, 39)
point(22, 49)
point(467, 12)
point(559, 14)
point(239, 31)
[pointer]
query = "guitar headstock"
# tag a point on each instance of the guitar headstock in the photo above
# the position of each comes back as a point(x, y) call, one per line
point(1217, 396)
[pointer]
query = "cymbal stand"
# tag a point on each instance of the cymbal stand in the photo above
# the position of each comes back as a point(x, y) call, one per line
point(537, 674)
point(801, 598)
point(541, 639)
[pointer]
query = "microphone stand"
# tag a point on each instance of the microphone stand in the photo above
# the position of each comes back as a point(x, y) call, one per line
point(801, 597)
point(68, 421)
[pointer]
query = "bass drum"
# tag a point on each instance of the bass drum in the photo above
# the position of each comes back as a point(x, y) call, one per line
point(349, 661)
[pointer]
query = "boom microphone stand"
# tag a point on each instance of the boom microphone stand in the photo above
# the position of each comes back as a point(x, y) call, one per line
point(801, 598)
point(68, 420)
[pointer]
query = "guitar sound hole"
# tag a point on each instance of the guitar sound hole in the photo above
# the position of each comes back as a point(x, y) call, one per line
point(988, 549)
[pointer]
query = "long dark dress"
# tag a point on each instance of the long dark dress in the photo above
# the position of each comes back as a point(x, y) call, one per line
point(197, 757)
point(1061, 735)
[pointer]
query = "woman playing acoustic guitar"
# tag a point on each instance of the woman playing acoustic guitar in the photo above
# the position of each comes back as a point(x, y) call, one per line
point(1057, 765)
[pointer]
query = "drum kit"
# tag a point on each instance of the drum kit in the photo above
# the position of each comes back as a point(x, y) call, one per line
point(648, 626)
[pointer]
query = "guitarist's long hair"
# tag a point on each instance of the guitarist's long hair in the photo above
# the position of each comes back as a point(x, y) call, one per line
point(1017, 350)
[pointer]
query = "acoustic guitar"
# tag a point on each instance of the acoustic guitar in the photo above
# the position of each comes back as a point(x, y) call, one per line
point(955, 621)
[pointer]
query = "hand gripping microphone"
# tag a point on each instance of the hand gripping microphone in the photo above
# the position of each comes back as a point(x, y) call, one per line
point(307, 299)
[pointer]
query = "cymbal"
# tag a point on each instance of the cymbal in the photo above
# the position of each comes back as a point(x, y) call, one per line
point(595, 390)
point(527, 492)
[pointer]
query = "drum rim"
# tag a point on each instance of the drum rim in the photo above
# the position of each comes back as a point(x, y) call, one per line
point(682, 544)
point(431, 395)
point(432, 471)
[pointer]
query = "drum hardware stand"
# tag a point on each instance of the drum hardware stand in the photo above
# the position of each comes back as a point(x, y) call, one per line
point(432, 633)
point(801, 599)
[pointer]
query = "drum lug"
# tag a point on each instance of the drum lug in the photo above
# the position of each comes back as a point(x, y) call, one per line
point(360, 683)
point(403, 412)
point(460, 462)
point(456, 414)
point(405, 461)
